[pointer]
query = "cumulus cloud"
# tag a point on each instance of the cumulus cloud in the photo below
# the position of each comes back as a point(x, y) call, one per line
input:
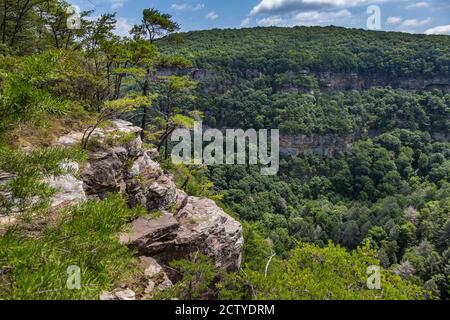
point(212, 16)
point(115, 4)
point(418, 5)
point(187, 7)
point(439, 30)
point(123, 26)
point(394, 20)
point(272, 21)
point(274, 7)
point(246, 22)
point(316, 17)
point(308, 18)
point(415, 22)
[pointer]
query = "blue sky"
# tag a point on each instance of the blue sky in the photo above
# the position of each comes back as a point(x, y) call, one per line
point(414, 16)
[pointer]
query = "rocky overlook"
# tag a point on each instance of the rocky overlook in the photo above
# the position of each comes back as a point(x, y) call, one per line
point(185, 225)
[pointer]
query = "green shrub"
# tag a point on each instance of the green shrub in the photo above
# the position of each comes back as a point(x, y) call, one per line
point(314, 273)
point(27, 191)
point(35, 266)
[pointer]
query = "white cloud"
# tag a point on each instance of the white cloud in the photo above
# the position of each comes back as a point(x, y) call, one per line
point(272, 21)
point(246, 22)
point(415, 22)
point(418, 5)
point(123, 26)
point(317, 17)
point(394, 20)
point(187, 7)
point(407, 25)
point(308, 18)
point(212, 16)
point(439, 30)
point(115, 4)
point(274, 7)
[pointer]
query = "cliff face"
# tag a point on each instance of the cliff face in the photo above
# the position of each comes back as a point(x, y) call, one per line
point(329, 145)
point(334, 81)
point(186, 225)
point(327, 81)
point(326, 145)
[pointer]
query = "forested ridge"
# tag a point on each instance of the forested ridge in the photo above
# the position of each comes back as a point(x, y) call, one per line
point(252, 72)
point(275, 50)
point(390, 189)
point(310, 232)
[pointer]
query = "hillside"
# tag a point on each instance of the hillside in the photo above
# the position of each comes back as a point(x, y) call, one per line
point(93, 207)
point(253, 78)
point(365, 122)
point(276, 50)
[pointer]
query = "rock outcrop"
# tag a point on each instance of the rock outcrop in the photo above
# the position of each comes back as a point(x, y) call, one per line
point(154, 279)
point(119, 294)
point(353, 81)
point(69, 188)
point(331, 144)
point(326, 80)
point(186, 225)
point(199, 227)
point(69, 191)
point(128, 169)
point(147, 232)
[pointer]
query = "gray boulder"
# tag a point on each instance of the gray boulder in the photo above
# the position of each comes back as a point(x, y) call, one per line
point(104, 173)
point(155, 279)
point(200, 226)
point(69, 190)
point(145, 231)
point(119, 294)
point(206, 228)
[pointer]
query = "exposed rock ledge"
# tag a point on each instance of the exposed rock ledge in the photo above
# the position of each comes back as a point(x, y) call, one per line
point(195, 225)
point(331, 144)
point(199, 226)
point(192, 226)
point(326, 80)
point(326, 145)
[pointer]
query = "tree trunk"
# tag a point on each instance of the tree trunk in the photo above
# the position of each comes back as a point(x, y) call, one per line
point(144, 122)
point(166, 147)
point(5, 14)
point(145, 114)
point(19, 22)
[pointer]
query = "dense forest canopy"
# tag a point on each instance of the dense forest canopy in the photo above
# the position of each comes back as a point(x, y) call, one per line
point(251, 78)
point(390, 188)
point(276, 50)
point(320, 223)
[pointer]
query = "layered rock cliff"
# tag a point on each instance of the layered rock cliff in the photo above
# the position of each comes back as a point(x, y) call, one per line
point(327, 81)
point(326, 145)
point(331, 144)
